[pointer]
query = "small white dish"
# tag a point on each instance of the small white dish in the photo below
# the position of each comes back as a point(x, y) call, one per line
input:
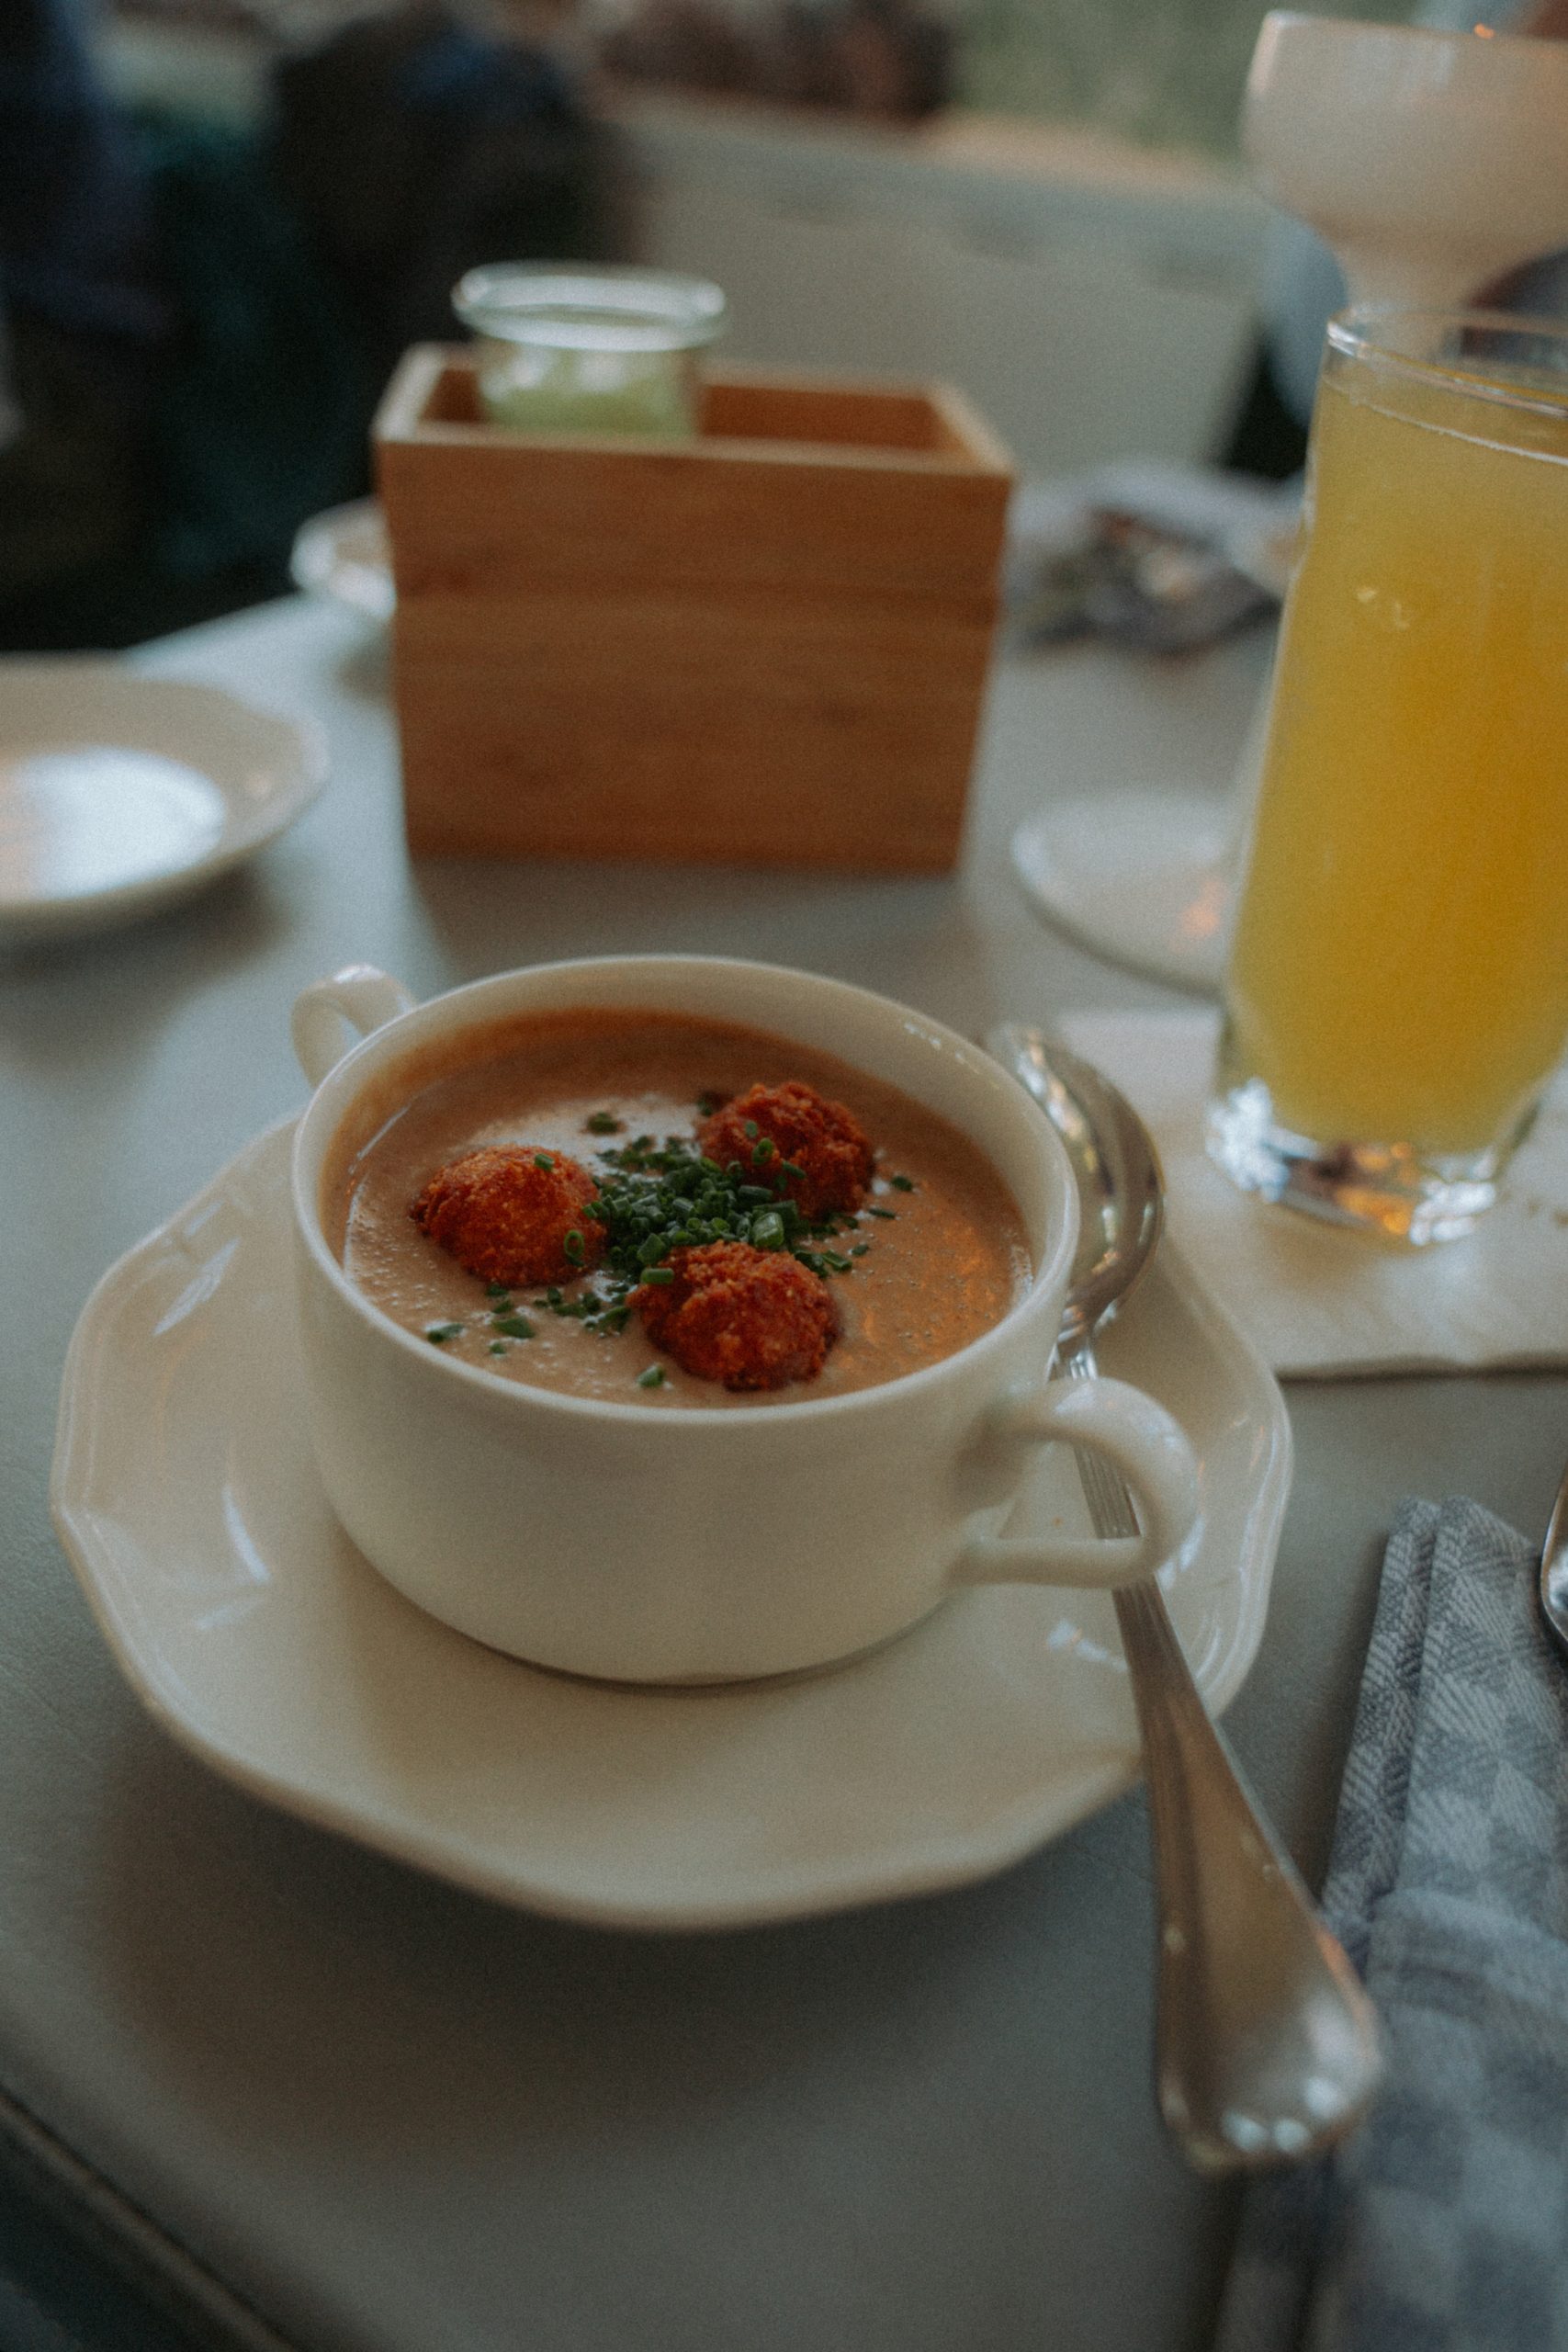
point(121, 794)
point(1147, 879)
point(1141, 878)
point(344, 555)
point(185, 1493)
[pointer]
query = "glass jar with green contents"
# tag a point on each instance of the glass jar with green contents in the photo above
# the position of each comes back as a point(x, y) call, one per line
point(564, 348)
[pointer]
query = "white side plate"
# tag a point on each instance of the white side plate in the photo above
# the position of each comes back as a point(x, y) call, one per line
point(121, 794)
point(345, 556)
point(1143, 878)
point(185, 1494)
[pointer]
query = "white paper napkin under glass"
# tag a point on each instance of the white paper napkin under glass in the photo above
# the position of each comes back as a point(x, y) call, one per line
point(1320, 1300)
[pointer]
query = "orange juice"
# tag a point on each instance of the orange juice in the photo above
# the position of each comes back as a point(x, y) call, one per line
point(1400, 967)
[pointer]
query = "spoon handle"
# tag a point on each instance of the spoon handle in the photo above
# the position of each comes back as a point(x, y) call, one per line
point(1266, 2044)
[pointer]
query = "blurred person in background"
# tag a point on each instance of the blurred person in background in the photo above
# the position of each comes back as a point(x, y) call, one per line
point(81, 316)
point(197, 316)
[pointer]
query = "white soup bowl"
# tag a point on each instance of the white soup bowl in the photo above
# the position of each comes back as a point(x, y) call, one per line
point(649, 1543)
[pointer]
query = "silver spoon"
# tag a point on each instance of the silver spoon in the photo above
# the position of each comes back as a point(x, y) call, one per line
point(1266, 2044)
point(1554, 1570)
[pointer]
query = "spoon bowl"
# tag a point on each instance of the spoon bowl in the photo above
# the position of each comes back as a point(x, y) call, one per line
point(1115, 1168)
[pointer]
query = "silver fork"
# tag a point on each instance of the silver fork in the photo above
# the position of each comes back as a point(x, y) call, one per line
point(1553, 1587)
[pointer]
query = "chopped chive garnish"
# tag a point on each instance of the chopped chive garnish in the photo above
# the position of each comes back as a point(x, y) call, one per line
point(498, 1290)
point(888, 1215)
point(751, 1130)
point(603, 1122)
point(859, 1248)
point(439, 1333)
point(517, 1327)
point(652, 1378)
point(902, 1183)
point(498, 1346)
point(654, 1198)
point(542, 1160)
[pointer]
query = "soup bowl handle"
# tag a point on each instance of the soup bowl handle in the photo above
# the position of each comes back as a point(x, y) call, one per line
point(1136, 1438)
point(331, 1015)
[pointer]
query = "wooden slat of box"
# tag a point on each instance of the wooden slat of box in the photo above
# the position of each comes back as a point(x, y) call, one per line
point(766, 646)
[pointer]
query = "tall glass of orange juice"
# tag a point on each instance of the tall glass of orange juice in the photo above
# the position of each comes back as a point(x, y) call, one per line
point(1397, 991)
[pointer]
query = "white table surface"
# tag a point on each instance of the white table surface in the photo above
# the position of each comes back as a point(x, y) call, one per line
point(340, 2105)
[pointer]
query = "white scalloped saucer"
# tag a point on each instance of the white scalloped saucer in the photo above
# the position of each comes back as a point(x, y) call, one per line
point(185, 1494)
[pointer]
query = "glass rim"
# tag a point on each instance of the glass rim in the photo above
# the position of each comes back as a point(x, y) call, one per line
point(524, 301)
point(1354, 334)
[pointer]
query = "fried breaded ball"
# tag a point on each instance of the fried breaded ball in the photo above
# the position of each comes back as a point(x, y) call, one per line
point(820, 1138)
point(504, 1212)
point(751, 1318)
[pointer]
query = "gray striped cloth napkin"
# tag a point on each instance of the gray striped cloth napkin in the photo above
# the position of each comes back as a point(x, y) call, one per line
point(1442, 2226)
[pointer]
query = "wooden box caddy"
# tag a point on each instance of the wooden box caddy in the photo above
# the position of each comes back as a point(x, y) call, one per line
point(764, 646)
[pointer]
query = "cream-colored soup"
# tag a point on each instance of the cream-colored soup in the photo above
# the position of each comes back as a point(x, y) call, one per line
point(944, 1260)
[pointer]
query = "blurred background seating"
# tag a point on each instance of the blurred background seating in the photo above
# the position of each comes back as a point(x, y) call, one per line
point(268, 200)
point(202, 302)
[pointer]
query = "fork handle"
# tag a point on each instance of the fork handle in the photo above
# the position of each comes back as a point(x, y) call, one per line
point(1266, 2044)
